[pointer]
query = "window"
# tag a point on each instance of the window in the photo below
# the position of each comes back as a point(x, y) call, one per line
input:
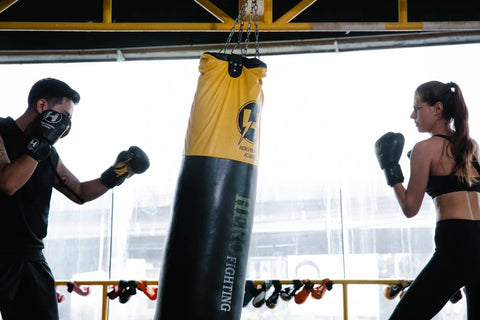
point(323, 208)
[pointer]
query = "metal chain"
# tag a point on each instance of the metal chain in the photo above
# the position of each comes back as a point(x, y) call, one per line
point(249, 28)
point(240, 30)
point(253, 16)
point(257, 43)
point(241, 16)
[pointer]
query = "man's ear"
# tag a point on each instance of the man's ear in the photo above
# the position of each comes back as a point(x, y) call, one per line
point(41, 105)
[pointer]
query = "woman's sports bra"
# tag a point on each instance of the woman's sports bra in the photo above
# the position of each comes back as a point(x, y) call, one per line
point(438, 185)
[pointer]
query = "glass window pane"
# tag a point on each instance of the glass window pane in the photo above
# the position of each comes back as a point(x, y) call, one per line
point(323, 208)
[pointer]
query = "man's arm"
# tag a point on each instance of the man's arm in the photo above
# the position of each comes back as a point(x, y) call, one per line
point(72, 188)
point(13, 175)
point(128, 162)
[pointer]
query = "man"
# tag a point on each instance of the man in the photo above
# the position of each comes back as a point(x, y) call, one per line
point(29, 168)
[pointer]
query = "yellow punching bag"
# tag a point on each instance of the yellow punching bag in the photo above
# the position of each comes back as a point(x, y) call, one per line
point(205, 259)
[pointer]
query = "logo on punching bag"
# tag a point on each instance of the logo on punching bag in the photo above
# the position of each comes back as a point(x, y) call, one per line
point(247, 122)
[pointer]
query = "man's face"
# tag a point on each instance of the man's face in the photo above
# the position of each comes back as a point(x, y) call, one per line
point(64, 107)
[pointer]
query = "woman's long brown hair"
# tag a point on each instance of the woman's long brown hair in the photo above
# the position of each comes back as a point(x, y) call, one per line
point(455, 110)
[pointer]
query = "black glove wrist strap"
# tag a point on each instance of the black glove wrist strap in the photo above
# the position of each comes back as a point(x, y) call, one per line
point(393, 174)
point(110, 179)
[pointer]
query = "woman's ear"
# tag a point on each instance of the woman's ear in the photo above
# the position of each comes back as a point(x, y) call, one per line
point(438, 108)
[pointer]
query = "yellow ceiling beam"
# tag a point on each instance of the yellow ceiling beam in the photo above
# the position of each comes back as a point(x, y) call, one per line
point(5, 4)
point(215, 11)
point(265, 21)
point(147, 26)
point(403, 23)
point(262, 26)
point(295, 11)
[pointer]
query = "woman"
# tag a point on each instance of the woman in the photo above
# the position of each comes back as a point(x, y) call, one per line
point(445, 167)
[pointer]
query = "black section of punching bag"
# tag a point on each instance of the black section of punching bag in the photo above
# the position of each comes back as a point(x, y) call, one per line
point(206, 254)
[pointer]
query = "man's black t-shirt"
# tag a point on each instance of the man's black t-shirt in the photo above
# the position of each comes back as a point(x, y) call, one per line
point(24, 215)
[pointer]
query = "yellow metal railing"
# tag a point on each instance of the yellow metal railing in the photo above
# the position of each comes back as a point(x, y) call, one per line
point(105, 285)
point(344, 283)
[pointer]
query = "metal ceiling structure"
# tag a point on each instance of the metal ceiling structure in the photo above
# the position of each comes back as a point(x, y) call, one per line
point(103, 30)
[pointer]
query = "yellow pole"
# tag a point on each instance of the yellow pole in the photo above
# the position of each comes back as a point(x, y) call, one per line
point(107, 11)
point(105, 302)
point(345, 301)
point(402, 11)
point(267, 11)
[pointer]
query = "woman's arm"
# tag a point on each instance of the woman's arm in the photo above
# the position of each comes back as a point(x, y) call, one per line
point(410, 199)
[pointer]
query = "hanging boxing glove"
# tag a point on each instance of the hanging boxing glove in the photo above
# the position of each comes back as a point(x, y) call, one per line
point(289, 292)
point(129, 288)
point(392, 291)
point(388, 150)
point(72, 286)
point(131, 161)
point(303, 294)
point(271, 302)
point(150, 292)
point(251, 290)
point(319, 291)
point(114, 292)
point(60, 298)
point(259, 300)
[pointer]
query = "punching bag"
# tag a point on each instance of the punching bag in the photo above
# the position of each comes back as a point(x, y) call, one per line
point(205, 258)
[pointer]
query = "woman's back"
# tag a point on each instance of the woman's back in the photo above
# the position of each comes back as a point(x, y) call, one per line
point(451, 205)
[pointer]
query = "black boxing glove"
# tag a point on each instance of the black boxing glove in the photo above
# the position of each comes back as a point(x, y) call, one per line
point(388, 150)
point(128, 162)
point(271, 302)
point(48, 127)
point(288, 293)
